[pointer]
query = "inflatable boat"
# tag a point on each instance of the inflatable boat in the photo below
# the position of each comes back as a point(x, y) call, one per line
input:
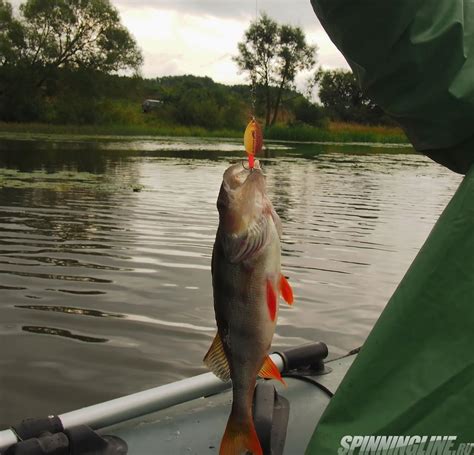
point(189, 416)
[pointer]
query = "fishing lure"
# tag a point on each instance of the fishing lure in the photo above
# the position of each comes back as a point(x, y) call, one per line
point(253, 141)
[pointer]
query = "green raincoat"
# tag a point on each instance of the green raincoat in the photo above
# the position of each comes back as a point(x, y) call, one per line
point(415, 373)
point(415, 59)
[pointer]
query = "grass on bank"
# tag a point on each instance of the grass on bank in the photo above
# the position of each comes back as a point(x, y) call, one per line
point(335, 132)
point(338, 132)
point(114, 130)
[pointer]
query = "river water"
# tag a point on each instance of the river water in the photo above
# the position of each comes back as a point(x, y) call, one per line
point(105, 252)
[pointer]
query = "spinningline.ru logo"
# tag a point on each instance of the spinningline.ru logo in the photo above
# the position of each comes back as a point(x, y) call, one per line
point(404, 445)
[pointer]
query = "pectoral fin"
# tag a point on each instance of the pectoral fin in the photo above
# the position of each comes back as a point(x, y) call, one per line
point(271, 300)
point(270, 371)
point(286, 291)
point(216, 360)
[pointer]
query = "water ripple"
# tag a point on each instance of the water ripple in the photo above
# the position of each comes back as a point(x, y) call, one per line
point(105, 256)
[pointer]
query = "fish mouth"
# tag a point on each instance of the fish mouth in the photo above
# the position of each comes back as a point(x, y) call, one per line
point(253, 184)
point(256, 166)
point(254, 174)
point(238, 175)
point(242, 193)
point(255, 171)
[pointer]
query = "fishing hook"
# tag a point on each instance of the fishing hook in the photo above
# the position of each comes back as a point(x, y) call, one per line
point(243, 162)
point(246, 168)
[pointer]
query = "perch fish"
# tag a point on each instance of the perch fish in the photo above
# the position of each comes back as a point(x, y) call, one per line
point(247, 281)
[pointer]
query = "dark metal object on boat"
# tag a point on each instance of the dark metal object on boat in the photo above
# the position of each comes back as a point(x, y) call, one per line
point(46, 436)
point(308, 357)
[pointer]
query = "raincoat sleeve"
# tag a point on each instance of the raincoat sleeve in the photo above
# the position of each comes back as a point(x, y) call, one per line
point(415, 59)
point(415, 373)
point(414, 376)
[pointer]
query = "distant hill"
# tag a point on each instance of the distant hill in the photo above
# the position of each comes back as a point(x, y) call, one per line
point(195, 100)
point(83, 97)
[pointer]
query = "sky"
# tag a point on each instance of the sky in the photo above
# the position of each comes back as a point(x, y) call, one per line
point(200, 36)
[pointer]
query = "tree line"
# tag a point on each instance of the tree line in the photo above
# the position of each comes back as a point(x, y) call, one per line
point(60, 62)
point(56, 45)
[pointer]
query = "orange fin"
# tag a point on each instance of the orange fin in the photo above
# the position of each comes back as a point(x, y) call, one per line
point(286, 291)
point(240, 437)
point(271, 300)
point(270, 371)
point(216, 360)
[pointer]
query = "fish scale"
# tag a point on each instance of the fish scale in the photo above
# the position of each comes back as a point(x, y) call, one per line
point(246, 281)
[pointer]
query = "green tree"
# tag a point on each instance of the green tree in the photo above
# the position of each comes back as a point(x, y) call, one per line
point(343, 100)
point(13, 95)
point(85, 34)
point(52, 57)
point(193, 100)
point(11, 35)
point(272, 55)
point(309, 113)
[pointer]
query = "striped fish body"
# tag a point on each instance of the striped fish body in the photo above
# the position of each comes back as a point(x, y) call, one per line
point(246, 280)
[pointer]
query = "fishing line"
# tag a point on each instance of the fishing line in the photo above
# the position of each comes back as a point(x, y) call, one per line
point(253, 137)
point(253, 88)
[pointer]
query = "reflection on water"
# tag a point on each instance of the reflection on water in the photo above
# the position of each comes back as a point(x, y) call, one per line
point(105, 254)
point(101, 314)
point(62, 333)
point(70, 310)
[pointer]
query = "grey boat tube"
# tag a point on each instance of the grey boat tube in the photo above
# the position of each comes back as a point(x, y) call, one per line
point(128, 407)
point(138, 404)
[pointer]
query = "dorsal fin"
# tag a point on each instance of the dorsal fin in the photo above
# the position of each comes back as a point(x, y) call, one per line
point(216, 360)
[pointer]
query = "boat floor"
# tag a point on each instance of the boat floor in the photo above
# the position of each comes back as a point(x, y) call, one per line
point(196, 427)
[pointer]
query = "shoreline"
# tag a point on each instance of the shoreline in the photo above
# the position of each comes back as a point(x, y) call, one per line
point(336, 133)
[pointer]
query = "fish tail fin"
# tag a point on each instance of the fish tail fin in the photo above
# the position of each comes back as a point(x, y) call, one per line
point(240, 436)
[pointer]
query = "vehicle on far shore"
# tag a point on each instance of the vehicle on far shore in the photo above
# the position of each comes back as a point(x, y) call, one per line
point(150, 105)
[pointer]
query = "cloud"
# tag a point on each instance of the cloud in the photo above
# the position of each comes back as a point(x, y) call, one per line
point(175, 43)
point(191, 37)
point(200, 36)
point(297, 12)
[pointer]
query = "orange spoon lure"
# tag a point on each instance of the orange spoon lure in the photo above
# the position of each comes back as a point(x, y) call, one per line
point(253, 141)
